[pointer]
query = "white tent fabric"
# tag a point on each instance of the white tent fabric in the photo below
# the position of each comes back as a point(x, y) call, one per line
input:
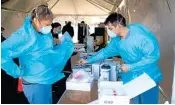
point(77, 7)
point(65, 7)
point(22, 5)
point(14, 11)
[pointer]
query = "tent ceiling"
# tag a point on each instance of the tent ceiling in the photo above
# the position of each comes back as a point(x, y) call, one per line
point(65, 7)
point(22, 5)
point(108, 4)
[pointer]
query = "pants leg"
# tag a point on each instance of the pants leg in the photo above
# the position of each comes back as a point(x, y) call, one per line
point(38, 93)
point(149, 97)
point(135, 100)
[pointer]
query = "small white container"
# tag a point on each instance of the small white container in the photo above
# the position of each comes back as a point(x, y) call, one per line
point(113, 75)
point(96, 70)
point(105, 70)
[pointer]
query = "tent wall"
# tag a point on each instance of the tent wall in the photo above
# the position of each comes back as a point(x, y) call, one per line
point(13, 13)
point(159, 16)
point(11, 21)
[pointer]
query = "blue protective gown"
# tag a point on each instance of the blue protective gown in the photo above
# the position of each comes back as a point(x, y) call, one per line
point(139, 50)
point(40, 62)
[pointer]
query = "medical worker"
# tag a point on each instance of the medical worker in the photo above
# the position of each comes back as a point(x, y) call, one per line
point(41, 64)
point(139, 50)
point(56, 30)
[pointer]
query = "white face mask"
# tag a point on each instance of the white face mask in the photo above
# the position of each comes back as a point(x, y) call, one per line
point(111, 34)
point(45, 29)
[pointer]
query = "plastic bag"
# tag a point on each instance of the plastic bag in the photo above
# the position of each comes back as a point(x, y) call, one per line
point(80, 76)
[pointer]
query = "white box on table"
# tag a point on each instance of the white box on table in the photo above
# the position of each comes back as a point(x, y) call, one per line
point(117, 100)
point(111, 92)
point(81, 86)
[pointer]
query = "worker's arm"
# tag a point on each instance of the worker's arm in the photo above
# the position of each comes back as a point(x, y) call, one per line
point(11, 48)
point(62, 52)
point(110, 50)
point(151, 54)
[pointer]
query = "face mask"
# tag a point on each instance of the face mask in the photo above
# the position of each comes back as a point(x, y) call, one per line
point(111, 34)
point(45, 29)
point(59, 31)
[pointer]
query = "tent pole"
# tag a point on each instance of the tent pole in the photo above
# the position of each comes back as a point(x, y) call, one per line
point(109, 2)
point(12, 10)
point(115, 6)
point(75, 6)
point(79, 15)
point(97, 5)
point(54, 4)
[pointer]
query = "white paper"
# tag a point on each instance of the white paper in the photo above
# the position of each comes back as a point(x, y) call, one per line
point(139, 85)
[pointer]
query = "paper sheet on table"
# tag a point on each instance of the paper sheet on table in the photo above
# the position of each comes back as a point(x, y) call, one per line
point(139, 85)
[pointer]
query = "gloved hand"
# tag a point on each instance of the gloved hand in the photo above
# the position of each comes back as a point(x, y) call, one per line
point(57, 41)
point(82, 61)
point(124, 68)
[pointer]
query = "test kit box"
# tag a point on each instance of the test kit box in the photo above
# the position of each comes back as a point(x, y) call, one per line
point(81, 86)
point(117, 100)
point(111, 92)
